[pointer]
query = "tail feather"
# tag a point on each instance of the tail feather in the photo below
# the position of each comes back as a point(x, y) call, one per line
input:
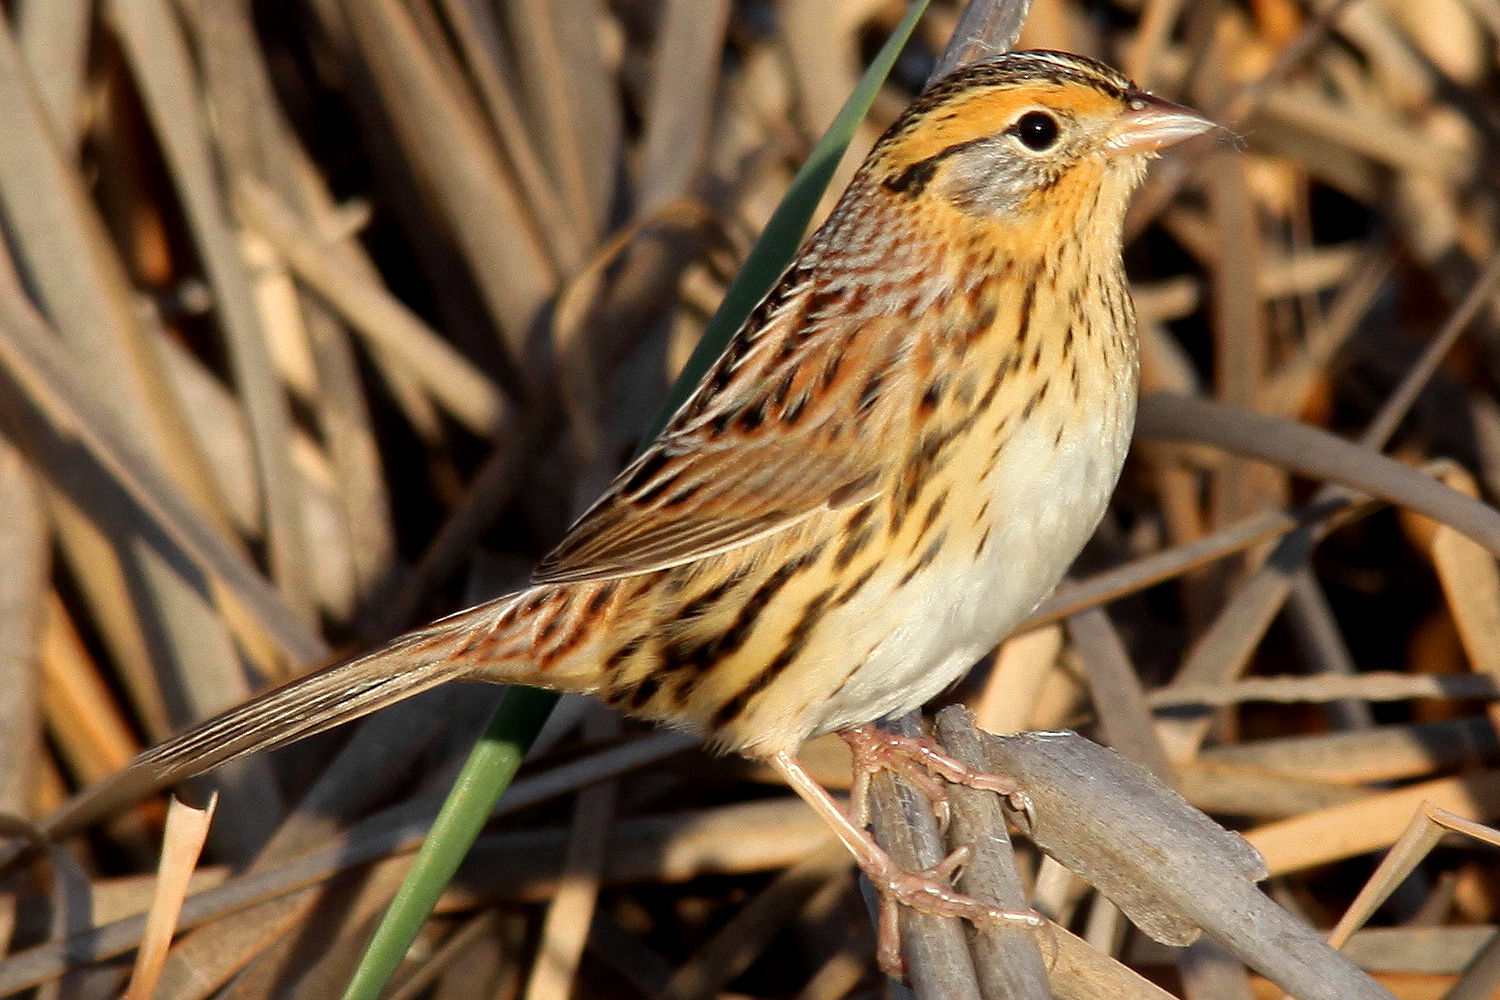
point(295, 710)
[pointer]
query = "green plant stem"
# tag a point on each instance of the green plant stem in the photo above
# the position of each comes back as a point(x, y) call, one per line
point(779, 241)
point(485, 776)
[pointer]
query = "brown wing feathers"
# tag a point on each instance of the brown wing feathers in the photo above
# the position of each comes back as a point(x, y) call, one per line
point(767, 444)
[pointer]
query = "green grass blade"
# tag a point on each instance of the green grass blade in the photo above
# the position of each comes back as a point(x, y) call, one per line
point(486, 774)
point(783, 234)
point(495, 758)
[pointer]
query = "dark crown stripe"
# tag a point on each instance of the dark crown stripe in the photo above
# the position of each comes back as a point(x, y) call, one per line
point(1031, 66)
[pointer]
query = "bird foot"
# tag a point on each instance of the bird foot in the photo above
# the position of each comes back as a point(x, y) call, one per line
point(931, 892)
point(921, 761)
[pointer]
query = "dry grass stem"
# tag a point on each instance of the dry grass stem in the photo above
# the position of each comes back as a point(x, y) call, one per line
point(186, 830)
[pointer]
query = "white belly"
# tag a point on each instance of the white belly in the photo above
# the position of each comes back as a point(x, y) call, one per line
point(1047, 499)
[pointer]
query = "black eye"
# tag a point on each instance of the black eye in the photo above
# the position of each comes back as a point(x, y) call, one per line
point(1037, 130)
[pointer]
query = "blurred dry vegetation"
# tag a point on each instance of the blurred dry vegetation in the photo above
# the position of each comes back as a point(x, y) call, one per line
point(378, 293)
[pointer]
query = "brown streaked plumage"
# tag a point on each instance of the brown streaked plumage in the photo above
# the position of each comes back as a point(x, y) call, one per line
point(892, 463)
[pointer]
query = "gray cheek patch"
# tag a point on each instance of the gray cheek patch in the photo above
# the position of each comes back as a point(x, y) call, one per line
point(994, 179)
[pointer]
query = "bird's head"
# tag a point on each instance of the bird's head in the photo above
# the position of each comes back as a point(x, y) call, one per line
point(1035, 138)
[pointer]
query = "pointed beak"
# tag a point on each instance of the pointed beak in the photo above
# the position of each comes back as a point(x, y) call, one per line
point(1151, 124)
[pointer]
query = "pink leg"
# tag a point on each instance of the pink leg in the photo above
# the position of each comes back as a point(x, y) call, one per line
point(929, 892)
point(921, 761)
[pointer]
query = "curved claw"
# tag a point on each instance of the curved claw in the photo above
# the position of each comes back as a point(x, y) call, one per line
point(943, 809)
point(949, 867)
point(1021, 804)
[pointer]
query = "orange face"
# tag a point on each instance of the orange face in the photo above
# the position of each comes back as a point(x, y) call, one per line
point(986, 112)
point(1035, 134)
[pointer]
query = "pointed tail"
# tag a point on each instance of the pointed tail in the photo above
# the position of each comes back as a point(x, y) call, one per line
point(302, 707)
